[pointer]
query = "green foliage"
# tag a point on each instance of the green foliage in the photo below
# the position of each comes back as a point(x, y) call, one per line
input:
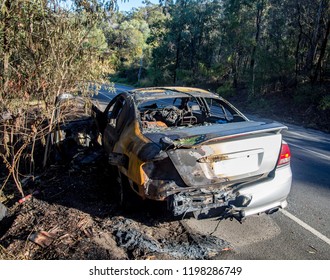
point(260, 105)
point(325, 103)
point(132, 38)
point(263, 43)
point(226, 90)
point(96, 40)
point(315, 95)
point(46, 50)
point(145, 82)
point(184, 77)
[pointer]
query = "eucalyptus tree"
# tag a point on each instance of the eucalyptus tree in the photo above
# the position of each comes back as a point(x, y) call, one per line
point(47, 48)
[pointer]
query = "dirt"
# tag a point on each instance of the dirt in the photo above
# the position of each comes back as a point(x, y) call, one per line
point(72, 213)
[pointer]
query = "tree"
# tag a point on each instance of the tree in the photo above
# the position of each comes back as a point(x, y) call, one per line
point(46, 50)
point(132, 37)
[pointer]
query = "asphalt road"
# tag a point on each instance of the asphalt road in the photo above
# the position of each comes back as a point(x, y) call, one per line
point(105, 95)
point(302, 230)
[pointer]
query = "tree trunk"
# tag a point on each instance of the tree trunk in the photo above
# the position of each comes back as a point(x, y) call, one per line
point(177, 58)
point(254, 49)
point(6, 54)
point(297, 68)
point(140, 68)
point(317, 72)
point(313, 47)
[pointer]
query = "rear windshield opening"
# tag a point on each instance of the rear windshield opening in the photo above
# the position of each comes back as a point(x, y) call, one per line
point(171, 112)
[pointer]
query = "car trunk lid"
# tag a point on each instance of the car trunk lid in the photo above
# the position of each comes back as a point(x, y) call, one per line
point(225, 153)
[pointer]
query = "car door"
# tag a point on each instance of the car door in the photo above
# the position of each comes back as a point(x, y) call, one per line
point(115, 123)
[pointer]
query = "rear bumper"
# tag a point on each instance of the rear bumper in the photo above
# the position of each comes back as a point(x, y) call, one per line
point(247, 199)
point(269, 194)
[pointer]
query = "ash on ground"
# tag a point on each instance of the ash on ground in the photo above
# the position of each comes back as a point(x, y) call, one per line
point(72, 214)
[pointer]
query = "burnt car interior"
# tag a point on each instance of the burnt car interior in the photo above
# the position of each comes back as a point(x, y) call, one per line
point(165, 113)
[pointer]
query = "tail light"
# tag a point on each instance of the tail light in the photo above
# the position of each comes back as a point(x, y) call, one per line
point(285, 155)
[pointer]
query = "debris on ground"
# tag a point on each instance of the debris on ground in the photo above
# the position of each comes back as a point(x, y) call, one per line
point(60, 232)
point(25, 198)
point(3, 211)
point(42, 238)
point(70, 212)
point(172, 242)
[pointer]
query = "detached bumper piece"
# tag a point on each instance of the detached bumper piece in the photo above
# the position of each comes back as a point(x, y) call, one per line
point(182, 203)
point(224, 204)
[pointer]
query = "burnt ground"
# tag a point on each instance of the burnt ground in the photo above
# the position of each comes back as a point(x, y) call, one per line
point(73, 214)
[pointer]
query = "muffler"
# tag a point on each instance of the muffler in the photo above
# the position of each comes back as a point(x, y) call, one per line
point(272, 210)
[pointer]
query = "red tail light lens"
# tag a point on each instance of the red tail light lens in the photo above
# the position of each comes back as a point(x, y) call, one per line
point(285, 155)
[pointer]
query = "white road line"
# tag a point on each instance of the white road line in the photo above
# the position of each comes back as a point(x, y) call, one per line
point(306, 226)
point(310, 151)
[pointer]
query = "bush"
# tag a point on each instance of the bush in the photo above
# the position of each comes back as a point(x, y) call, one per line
point(325, 103)
point(184, 77)
point(308, 94)
point(226, 90)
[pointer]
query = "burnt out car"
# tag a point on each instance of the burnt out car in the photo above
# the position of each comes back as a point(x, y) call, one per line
point(195, 150)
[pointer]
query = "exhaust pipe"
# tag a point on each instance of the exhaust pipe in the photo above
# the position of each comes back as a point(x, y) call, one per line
point(272, 210)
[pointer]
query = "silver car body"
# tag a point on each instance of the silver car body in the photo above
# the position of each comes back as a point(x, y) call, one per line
point(197, 151)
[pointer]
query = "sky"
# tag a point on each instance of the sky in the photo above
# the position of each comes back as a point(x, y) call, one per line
point(128, 5)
